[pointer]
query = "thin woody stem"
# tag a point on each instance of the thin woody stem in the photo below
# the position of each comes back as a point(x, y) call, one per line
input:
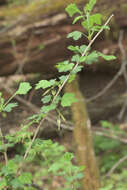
point(83, 54)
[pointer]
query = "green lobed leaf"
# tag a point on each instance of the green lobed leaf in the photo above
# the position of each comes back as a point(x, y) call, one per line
point(68, 99)
point(46, 99)
point(71, 78)
point(76, 35)
point(83, 59)
point(64, 66)
point(63, 78)
point(24, 87)
point(85, 24)
point(97, 28)
point(92, 57)
point(82, 48)
point(95, 19)
point(10, 168)
point(77, 19)
point(106, 124)
point(74, 48)
point(76, 58)
point(89, 6)
point(71, 9)
point(77, 69)
point(9, 107)
point(68, 156)
point(45, 84)
point(46, 109)
point(25, 178)
point(16, 184)
point(107, 57)
point(41, 46)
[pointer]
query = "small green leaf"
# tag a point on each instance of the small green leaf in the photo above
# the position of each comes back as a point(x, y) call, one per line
point(46, 109)
point(63, 78)
point(24, 87)
point(107, 57)
point(77, 19)
point(77, 69)
point(9, 107)
point(74, 48)
point(25, 178)
point(16, 184)
point(46, 99)
point(89, 6)
point(92, 57)
point(82, 48)
point(85, 24)
point(92, 21)
point(83, 59)
point(64, 66)
point(41, 46)
point(33, 117)
point(71, 78)
point(71, 9)
point(75, 35)
point(68, 156)
point(45, 84)
point(68, 99)
point(54, 167)
point(106, 27)
point(76, 58)
point(97, 28)
point(106, 124)
point(10, 168)
point(95, 19)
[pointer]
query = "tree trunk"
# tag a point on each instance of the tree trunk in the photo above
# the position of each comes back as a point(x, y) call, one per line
point(83, 139)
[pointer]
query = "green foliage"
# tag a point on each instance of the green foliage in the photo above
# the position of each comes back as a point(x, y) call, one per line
point(76, 35)
point(18, 2)
point(9, 107)
point(107, 57)
point(92, 57)
point(72, 9)
point(24, 88)
point(89, 6)
point(68, 99)
point(45, 84)
point(110, 150)
point(116, 181)
point(51, 158)
point(64, 66)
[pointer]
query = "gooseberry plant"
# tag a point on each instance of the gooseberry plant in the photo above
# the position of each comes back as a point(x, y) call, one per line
point(50, 156)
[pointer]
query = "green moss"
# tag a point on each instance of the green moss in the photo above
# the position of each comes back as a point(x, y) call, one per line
point(124, 8)
point(36, 8)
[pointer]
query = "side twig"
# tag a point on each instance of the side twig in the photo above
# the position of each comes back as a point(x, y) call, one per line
point(116, 166)
point(4, 146)
point(122, 71)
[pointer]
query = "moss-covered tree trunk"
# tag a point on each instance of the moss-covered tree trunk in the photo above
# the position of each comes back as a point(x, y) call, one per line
point(83, 139)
